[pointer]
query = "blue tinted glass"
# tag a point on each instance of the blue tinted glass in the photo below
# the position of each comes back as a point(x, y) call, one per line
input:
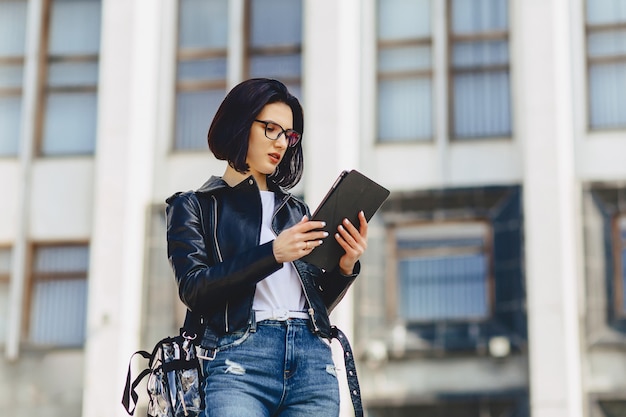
point(275, 22)
point(476, 16)
point(194, 112)
point(10, 119)
point(203, 24)
point(443, 288)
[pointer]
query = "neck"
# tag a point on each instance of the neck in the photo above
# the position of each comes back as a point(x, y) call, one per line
point(233, 177)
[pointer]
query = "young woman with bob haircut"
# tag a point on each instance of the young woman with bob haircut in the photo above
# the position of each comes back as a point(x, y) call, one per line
point(235, 245)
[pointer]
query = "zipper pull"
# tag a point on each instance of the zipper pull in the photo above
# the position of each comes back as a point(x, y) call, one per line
point(312, 314)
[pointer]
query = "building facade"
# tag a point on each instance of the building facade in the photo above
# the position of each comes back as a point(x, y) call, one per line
point(494, 281)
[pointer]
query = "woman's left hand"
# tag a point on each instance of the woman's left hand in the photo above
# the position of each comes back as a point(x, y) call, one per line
point(353, 241)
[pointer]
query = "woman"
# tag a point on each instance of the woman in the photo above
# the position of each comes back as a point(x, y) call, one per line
point(235, 246)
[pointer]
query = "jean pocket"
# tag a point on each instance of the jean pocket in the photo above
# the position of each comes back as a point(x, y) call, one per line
point(232, 339)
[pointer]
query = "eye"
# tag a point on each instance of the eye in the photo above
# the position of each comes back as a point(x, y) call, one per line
point(271, 127)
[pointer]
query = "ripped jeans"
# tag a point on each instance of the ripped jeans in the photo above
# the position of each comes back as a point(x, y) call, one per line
point(280, 370)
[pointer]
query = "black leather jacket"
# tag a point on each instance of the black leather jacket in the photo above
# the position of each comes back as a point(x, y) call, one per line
point(213, 247)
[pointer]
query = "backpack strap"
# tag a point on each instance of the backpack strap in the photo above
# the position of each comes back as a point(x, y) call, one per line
point(353, 381)
point(130, 390)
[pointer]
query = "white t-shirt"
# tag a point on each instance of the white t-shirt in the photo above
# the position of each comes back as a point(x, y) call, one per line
point(281, 290)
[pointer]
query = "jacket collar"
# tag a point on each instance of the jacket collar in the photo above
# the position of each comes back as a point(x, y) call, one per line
point(215, 184)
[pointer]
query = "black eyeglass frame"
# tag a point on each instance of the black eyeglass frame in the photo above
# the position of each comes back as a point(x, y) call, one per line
point(289, 133)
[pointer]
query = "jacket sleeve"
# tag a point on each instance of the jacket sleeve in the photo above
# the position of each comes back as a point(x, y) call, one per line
point(203, 280)
point(333, 285)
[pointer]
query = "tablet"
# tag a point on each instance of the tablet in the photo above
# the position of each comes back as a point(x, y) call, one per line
point(351, 193)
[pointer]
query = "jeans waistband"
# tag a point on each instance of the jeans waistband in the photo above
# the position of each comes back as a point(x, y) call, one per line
point(280, 315)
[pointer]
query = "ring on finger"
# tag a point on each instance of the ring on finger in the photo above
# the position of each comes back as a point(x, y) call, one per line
point(307, 245)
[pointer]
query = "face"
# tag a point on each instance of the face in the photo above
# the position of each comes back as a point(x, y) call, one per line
point(264, 154)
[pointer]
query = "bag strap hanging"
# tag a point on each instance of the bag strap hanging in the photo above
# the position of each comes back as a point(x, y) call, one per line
point(353, 380)
point(130, 389)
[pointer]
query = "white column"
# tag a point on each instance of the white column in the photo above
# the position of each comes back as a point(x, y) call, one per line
point(27, 149)
point(543, 82)
point(128, 108)
point(332, 75)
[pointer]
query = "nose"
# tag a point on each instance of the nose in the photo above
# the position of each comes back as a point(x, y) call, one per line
point(282, 141)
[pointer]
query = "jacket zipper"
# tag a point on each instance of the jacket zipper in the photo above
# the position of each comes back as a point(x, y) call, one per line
point(219, 252)
point(306, 295)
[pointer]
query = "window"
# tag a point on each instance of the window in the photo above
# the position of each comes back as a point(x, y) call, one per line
point(201, 71)
point(473, 58)
point(443, 272)
point(404, 71)
point(479, 59)
point(70, 101)
point(453, 272)
point(12, 46)
point(58, 306)
point(606, 61)
point(5, 274)
point(274, 45)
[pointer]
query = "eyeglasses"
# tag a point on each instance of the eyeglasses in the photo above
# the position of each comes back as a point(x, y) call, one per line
point(274, 130)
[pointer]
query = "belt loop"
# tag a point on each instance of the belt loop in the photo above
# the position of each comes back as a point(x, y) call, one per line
point(252, 321)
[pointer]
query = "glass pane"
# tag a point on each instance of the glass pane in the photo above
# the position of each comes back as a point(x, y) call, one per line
point(439, 288)
point(402, 19)
point(206, 69)
point(203, 24)
point(194, 112)
point(5, 261)
point(481, 105)
point(404, 110)
point(62, 74)
point(59, 310)
point(409, 58)
point(607, 85)
point(70, 124)
point(607, 43)
point(11, 76)
point(276, 66)
point(74, 27)
point(4, 310)
point(12, 27)
point(476, 54)
point(10, 120)
point(62, 259)
point(275, 22)
point(606, 11)
point(477, 16)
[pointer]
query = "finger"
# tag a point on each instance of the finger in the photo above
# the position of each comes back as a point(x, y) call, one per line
point(309, 225)
point(347, 237)
point(363, 225)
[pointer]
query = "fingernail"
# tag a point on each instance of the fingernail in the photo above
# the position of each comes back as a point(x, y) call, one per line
point(323, 224)
point(346, 221)
point(321, 241)
point(340, 227)
point(325, 234)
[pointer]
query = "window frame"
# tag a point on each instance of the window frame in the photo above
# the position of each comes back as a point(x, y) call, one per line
point(46, 60)
point(14, 60)
point(452, 72)
point(395, 255)
point(383, 45)
point(591, 61)
point(269, 51)
point(183, 55)
point(34, 277)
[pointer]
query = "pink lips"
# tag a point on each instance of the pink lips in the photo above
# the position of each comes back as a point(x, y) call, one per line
point(274, 157)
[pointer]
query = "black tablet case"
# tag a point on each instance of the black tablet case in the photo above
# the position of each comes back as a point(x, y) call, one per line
point(351, 193)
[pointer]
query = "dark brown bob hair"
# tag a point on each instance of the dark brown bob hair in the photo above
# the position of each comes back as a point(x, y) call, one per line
point(230, 130)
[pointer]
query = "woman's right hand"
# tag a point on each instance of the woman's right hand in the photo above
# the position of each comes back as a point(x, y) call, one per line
point(299, 240)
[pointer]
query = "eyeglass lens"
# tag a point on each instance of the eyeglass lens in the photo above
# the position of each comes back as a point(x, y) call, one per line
point(273, 131)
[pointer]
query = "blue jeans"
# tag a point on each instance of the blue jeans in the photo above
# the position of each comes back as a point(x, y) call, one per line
point(281, 369)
